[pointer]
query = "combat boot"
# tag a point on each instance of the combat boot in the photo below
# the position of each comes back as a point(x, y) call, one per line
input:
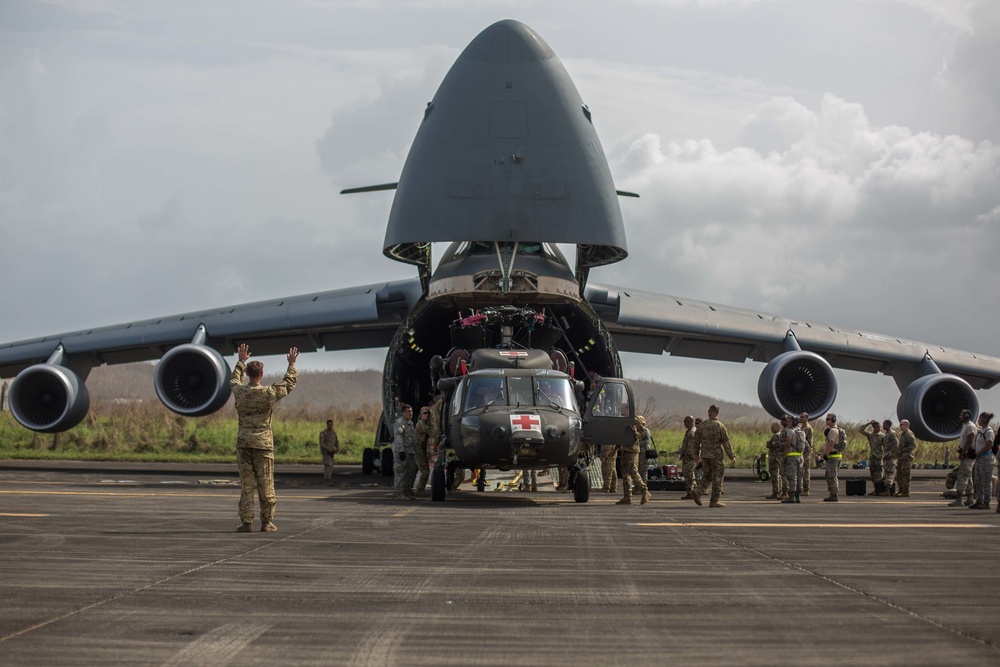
point(687, 496)
point(805, 493)
point(717, 503)
point(903, 494)
point(798, 498)
point(773, 496)
point(646, 497)
point(268, 527)
point(245, 528)
point(790, 500)
point(831, 499)
point(624, 501)
point(958, 502)
point(696, 496)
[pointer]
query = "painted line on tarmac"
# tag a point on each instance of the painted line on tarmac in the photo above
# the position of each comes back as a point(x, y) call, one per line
point(22, 515)
point(408, 510)
point(712, 524)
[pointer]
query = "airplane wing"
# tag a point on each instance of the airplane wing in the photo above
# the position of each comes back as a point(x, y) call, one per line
point(352, 318)
point(936, 383)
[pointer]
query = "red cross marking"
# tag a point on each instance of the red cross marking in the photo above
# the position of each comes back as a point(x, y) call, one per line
point(526, 422)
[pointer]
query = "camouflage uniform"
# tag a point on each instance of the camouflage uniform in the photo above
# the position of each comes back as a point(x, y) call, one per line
point(645, 445)
point(434, 432)
point(710, 442)
point(807, 430)
point(609, 454)
point(890, 454)
point(328, 446)
point(775, 447)
point(404, 442)
point(963, 483)
point(876, 452)
point(422, 446)
point(688, 461)
point(630, 470)
point(907, 444)
point(833, 460)
point(254, 440)
point(793, 463)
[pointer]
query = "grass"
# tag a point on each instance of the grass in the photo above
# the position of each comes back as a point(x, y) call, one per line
point(145, 432)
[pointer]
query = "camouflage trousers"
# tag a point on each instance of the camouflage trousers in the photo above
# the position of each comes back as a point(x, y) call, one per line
point(903, 474)
point(876, 469)
point(713, 473)
point(256, 472)
point(425, 454)
point(529, 480)
point(327, 466)
point(608, 472)
point(687, 469)
point(832, 470)
point(404, 473)
point(793, 474)
point(984, 471)
point(889, 471)
point(806, 465)
point(630, 473)
point(962, 483)
point(774, 468)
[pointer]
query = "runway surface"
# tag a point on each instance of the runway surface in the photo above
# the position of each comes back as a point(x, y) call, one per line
point(139, 565)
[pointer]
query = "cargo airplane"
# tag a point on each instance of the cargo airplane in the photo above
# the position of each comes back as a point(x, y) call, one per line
point(505, 165)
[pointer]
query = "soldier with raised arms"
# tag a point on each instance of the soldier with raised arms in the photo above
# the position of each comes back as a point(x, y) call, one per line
point(254, 441)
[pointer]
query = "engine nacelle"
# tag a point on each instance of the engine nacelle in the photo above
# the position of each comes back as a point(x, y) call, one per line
point(797, 382)
point(48, 398)
point(192, 380)
point(933, 404)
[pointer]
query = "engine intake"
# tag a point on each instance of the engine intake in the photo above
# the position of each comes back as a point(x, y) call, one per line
point(933, 404)
point(797, 382)
point(192, 380)
point(48, 398)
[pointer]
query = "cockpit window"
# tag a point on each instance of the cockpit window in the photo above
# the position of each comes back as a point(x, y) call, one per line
point(612, 401)
point(485, 391)
point(521, 391)
point(556, 392)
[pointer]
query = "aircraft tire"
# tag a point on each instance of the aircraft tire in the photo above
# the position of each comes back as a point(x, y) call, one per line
point(387, 461)
point(438, 483)
point(581, 490)
point(367, 461)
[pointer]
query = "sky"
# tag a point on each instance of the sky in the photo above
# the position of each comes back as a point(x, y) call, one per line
point(834, 161)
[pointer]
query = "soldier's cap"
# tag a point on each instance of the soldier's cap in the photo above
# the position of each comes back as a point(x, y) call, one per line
point(640, 420)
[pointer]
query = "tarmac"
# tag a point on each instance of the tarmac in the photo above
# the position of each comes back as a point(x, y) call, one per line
point(138, 564)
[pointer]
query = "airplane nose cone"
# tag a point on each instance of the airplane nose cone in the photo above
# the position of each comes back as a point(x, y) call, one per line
point(508, 41)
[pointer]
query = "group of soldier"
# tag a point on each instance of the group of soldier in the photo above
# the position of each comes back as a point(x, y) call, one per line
point(890, 457)
point(977, 448)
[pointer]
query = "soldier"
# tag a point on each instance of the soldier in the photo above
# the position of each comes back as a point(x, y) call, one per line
point(699, 469)
point(254, 440)
point(985, 461)
point(529, 480)
point(328, 446)
point(645, 445)
point(422, 449)
point(630, 467)
point(807, 430)
point(609, 455)
point(889, 457)
point(965, 452)
point(710, 441)
point(876, 452)
point(774, 463)
point(836, 443)
point(793, 445)
point(404, 449)
point(687, 461)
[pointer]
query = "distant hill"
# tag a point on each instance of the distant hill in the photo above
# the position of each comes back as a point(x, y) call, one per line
point(321, 390)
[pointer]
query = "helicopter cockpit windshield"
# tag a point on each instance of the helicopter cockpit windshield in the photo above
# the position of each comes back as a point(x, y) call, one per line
point(520, 391)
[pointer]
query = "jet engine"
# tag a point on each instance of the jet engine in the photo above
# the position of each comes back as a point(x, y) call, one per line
point(192, 380)
point(933, 404)
point(48, 398)
point(795, 382)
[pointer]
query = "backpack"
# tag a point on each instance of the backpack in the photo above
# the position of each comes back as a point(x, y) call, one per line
point(799, 441)
point(841, 446)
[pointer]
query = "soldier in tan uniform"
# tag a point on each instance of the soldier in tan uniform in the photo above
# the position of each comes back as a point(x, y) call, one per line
point(328, 446)
point(710, 441)
point(422, 437)
point(774, 450)
point(254, 440)
point(630, 466)
point(907, 443)
point(609, 455)
point(876, 453)
point(687, 458)
point(807, 430)
point(889, 456)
